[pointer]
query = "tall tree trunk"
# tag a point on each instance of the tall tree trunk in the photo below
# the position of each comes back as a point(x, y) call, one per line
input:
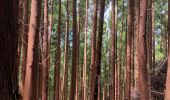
point(113, 53)
point(40, 67)
point(78, 55)
point(97, 73)
point(128, 50)
point(120, 54)
point(8, 50)
point(149, 41)
point(167, 96)
point(65, 80)
point(25, 19)
point(45, 54)
point(85, 52)
point(142, 70)
point(136, 32)
point(20, 32)
point(93, 51)
point(31, 78)
point(58, 57)
point(74, 53)
point(116, 51)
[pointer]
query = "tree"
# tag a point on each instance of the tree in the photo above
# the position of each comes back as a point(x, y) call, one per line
point(142, 70)
point(167, 96)
point(74, 52)
point(97, 73)
point(136, 32)
point(45, 55)
point(128, 50)
point(25, 19)
point(31, 78)
point(93, 51)
point(8, 50)
point(58, 57)
point(65, 78)
point(85, 51)
point(113, 43)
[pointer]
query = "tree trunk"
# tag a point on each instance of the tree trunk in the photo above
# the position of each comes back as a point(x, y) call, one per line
point(167, 96)
point(58, 57)
point(25, 19)
point(65, 80)
point(85, 52)
point(128, 50)
point(31, 78)
point(97, 73)
point(142, 70)
point(78, 55)
point(113, 53)
point(8, 50)
point(136, 32)
point(74, 53)
point(120, 54)
point(93, 51)
point(45, 54)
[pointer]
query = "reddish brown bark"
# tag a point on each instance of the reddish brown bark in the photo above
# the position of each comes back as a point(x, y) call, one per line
point(120, 54)
point(142, 70)
point(167, 96)
point(25, 38)
point(128, 50)
point(58, 57)
point(113, 52)
point(8, 49)
point(84, 95)
point(31, 78)
point(65, 78)
point(45, 54)
point(97, 73)
point(74, 52)
point(93, 51)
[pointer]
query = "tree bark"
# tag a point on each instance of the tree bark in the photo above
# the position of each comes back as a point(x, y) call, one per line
point(65, 80)
point(31, 78)
point(167, 96)
point(45, 55)
point(58, 57)
point(136, 32)
point(97, 73)
point(74, 52)
point(8, 50)
point(25, 19)
point(128, 50)
point(142, 70)
point(85, 52)
point(113, 53)
point(93, 51)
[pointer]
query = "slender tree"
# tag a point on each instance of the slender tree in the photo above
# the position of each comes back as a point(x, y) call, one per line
point(120, 53)
point(85, 51)
point(97, 73)
point(25, 19)
point(113, 43)
point(93, 51)
point(167, 96)
point(136, 32)
point(58, 57)
point(8, 49)
point(74, 52)
point(45, 54)
point(128, 51)
point(142, 70)
point(31, 78)
point(65, 78)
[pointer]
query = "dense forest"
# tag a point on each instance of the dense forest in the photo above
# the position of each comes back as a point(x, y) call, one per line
point(84, 49)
